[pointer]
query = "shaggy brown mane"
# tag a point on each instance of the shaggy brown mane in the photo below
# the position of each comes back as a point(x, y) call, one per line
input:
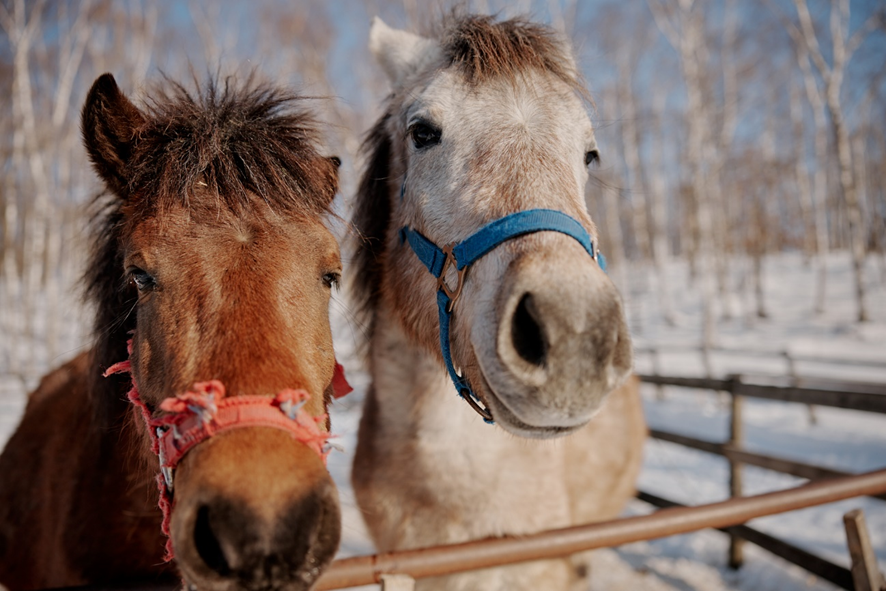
point(252, 145)
point(482, 49)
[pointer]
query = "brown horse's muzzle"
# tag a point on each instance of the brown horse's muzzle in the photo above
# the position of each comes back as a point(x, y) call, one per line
point(254, 509)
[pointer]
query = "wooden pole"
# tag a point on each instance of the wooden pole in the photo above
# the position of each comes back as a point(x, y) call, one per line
point(442, 560)
point(736, 436)
point(865, 573)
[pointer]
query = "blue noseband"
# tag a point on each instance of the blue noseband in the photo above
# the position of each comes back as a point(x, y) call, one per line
point(463, 254)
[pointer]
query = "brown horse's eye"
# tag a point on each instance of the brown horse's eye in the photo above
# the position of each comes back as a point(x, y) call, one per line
point(141, 279)
point(331, 279)
point(592, 156)
point(424, 135)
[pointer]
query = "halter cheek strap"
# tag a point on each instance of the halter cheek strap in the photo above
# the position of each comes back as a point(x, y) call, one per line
point(463, 254)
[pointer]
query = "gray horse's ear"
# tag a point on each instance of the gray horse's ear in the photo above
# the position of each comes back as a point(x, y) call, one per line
point(400, 53)
point(110, 124)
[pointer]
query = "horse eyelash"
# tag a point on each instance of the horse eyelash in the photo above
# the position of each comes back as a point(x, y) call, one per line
point(332, 280)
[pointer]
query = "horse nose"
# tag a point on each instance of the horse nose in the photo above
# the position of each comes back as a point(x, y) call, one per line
point(559, 348)
point(255, 553)
point(527, 334)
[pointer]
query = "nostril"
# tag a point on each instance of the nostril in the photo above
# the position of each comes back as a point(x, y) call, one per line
point(526, 333)
point(207, 543)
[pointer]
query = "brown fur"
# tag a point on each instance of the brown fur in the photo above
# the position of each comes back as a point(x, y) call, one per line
point(220, 196)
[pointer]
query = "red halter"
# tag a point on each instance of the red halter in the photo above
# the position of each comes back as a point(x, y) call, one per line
point(195, 416)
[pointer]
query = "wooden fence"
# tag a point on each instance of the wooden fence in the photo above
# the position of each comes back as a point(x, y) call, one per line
point(838, 394)
point(397, 571)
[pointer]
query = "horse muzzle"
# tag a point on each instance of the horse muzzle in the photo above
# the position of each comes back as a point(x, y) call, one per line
point(551, 342)
point(254, 510)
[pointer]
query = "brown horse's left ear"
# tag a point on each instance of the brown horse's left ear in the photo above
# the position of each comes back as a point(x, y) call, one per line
point(110, 124)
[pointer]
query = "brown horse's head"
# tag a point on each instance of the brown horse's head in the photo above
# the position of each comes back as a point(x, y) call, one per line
point(214, 259)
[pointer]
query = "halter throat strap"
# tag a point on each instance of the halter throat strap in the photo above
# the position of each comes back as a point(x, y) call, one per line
point(463, 254)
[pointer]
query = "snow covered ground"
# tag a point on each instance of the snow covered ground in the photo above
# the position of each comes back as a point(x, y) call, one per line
point(846, 440)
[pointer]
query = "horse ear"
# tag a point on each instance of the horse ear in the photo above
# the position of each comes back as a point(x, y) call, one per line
point(109, 124)
point(400, 53)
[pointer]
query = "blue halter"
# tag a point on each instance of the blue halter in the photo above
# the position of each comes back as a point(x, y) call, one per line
point(465, 253)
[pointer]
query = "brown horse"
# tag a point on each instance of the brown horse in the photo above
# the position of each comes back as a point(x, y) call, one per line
point(212, 257)
point(485, 129)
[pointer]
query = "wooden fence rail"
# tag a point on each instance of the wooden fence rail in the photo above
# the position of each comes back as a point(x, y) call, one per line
point(826, 486)
point(792, 467)
point(838, 394)
point(455, 558)
point(854, 396)
point(825, 569)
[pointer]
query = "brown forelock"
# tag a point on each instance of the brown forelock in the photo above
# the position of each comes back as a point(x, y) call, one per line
point(242, 140)
point(371, 219)
point(484, 49)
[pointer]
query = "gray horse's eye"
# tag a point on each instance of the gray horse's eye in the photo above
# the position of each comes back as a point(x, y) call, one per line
point(592, 156)
point(424, 135)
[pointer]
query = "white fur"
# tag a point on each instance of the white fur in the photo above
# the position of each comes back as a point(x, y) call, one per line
point(399, 53)
point(428, 470)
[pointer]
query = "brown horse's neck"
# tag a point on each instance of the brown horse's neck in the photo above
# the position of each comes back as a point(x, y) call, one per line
point(119, 472)
point(87, 511)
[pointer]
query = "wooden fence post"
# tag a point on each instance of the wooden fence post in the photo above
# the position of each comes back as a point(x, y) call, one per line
point(736, 436)
point(865, 573)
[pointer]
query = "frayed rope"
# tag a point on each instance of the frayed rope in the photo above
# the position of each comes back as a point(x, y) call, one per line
point(194, 416)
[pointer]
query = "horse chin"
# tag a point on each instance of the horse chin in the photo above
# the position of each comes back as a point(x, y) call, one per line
point(508, 420)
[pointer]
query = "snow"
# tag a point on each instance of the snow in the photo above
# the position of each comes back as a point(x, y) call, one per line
point(826, 345)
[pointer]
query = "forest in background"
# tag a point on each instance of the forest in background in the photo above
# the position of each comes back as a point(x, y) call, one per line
point(728, 131)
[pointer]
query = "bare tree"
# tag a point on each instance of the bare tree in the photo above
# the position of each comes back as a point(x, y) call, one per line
point(682, 22)
point(832, 75)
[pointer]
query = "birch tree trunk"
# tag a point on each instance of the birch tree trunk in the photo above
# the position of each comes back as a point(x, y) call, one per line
point(655, 190)
point(683, 26)
point(801, 172)
point(832, 76)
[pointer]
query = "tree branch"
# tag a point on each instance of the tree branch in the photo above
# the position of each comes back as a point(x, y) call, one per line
point(810, 40)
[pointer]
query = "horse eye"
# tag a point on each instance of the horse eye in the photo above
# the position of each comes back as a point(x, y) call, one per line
point(592, 156)
point(141, 279)
point(424, 135)
point(331, 279)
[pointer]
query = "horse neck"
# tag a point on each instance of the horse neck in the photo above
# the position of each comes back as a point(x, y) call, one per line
point(414, 392)
point(414, 415)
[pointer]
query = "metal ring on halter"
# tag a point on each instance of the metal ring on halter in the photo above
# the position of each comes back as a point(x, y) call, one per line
point(468, 395)
point(452, 294)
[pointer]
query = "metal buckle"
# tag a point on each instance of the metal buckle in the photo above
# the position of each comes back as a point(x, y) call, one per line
point(483, 412)
point(452, 294)
point(164, 470)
